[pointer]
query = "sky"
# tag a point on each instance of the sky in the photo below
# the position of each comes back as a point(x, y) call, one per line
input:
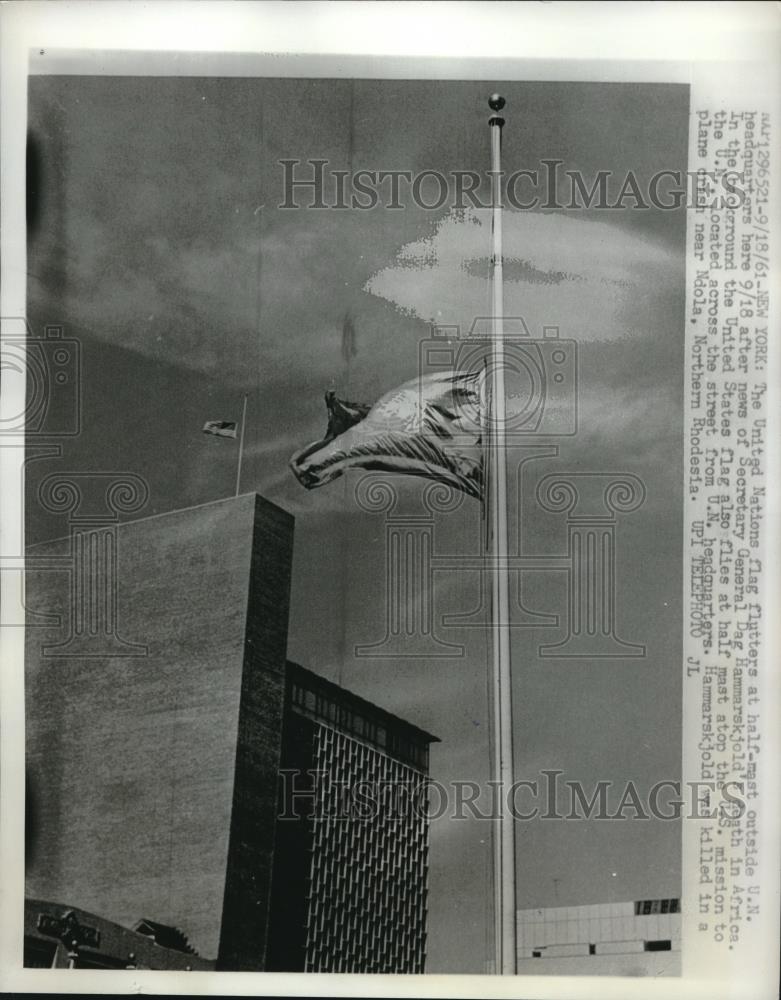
point(156, 239)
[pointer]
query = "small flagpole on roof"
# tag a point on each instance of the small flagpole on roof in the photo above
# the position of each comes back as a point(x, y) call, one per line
point(504, 879)
point(241, 444)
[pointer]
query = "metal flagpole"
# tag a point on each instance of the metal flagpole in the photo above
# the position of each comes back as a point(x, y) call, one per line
point(505, 902)
point(241, 444)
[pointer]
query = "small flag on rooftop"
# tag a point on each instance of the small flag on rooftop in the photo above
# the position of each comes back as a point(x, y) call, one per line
point(220, 428)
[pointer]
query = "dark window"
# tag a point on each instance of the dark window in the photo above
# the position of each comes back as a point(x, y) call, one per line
point(536, 954)
point(38, 954)
point(658, 945)
point(592, 949)
point(96, 960)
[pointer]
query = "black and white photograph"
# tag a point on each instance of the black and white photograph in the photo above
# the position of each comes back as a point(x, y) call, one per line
point(393, 540)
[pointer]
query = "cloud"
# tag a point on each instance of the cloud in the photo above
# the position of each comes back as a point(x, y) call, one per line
point(559, 270)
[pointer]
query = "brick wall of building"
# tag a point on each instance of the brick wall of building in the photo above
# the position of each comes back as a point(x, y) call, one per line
point(138, 766)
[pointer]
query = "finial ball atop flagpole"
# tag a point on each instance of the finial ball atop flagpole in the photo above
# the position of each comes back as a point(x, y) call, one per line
point(496, 102)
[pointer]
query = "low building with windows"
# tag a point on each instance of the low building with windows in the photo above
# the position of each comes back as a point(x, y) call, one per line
point(351, 854)
point(635, 938)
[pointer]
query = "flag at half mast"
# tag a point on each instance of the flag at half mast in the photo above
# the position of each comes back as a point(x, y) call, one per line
point(220, 428)
point(429, 426)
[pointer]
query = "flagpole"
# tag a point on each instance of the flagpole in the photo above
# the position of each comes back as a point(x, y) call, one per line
point(241, 444)
point(505, 900)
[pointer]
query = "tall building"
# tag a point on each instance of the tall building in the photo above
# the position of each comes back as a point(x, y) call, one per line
point(350, 801)
point(160, 709)
point(636, 938)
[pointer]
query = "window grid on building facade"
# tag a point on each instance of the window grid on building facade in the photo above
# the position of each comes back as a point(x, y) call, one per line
point(319, 701)
point(367, 897)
